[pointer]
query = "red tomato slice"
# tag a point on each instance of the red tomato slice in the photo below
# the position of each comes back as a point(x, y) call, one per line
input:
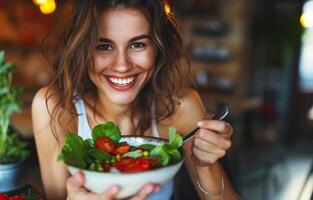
point(4, 196)
point(152, 161)
point(123, 163)
point(17, 197)
point(128, 164)
point(143, 164)
point(122, 148)
point(105, 144)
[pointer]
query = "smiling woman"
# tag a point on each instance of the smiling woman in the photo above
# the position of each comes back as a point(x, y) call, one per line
point(123, 61)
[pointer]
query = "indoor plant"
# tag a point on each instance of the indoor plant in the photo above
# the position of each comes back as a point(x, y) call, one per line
point(12, 149)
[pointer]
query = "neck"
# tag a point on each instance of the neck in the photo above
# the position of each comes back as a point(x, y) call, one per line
point(121, 115)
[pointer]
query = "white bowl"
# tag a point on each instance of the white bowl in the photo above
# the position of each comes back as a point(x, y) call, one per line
point(130, 183)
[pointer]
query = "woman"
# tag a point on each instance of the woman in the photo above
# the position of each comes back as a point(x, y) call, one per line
point(121, 61)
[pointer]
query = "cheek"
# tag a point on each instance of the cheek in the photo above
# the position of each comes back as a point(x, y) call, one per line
point(146, 60)
point(99, 63)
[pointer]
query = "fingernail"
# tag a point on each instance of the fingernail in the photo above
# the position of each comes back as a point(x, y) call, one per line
point(76, 176)
point(200, 123)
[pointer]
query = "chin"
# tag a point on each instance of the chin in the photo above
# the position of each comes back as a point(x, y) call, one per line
point(123, 99)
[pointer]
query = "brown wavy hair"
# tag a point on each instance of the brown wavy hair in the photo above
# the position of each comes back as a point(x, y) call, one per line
point(69, 48)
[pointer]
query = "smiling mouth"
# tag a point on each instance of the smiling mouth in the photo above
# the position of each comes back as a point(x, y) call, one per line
point(121, 83)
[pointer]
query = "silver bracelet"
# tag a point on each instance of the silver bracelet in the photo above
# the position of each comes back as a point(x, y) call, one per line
point(209, 193)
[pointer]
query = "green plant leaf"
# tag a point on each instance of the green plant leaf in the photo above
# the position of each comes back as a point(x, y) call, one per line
point(73, 151)
point(108, 129)
point(174, 139)
point(160, 153)
point(133, 154)
point(99, 155)
point(1, 57)
point(6, 68)
point(147, 147)
point(88, 144)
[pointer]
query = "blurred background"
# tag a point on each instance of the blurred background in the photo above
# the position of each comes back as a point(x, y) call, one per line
point(256, 56)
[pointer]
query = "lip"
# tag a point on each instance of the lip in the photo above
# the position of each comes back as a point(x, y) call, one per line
point(121, 88)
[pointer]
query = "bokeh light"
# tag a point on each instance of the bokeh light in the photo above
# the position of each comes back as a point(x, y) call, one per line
point(39, 2)
point(48, 7)
point(306, 18)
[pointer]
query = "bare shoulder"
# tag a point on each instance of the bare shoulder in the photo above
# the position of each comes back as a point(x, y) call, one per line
point(49, 140)
point(45, 109)
point(41, 109)
point(188, 112)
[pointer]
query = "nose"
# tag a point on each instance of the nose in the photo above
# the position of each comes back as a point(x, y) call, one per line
point(122, 62)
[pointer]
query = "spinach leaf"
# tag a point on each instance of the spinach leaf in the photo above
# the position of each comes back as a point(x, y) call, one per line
point(89, 145)
point(108, 129)
point(133, 154)
point(160, 153)
point(147, 147)
point(172, 151)
point(74, 151)
point(174, 139)
point(99, 155)
point(168, 151)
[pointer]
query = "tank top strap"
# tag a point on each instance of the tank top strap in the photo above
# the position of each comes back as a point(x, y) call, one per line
point(154, 126)
point(84, 129)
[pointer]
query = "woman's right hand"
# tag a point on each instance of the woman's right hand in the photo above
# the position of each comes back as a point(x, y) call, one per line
point(76, 190)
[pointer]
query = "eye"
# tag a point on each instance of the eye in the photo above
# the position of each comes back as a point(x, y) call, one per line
point(105, 47)
point(137, 45)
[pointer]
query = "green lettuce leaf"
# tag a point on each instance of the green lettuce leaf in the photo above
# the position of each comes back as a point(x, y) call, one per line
point(74, 151)
point(174, 139)
point(108, 129)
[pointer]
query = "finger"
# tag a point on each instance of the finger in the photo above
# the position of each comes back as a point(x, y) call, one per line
point(75, 183)
point(218, 126)
point(207, 147)
point(206, 157)
point(213, 138)
point(145, 191)
point(110, 193)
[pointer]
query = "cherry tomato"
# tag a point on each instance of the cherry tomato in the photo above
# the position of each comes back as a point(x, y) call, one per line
point(123, 163)
point(4, 196)
point(152, 161)
point(122, 148)
point(17, 197)
point(140, 164)
point(105, 144)
point(128, 164)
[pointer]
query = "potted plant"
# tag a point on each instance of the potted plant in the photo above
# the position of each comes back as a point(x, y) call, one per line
point(13, 150)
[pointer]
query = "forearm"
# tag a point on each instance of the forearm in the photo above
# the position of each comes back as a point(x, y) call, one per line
point(210, 180)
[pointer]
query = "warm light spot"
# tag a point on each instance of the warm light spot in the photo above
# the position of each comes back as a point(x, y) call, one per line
point(39, 2)
point(306, 19)
point(310, 113)
point(48, 7)
point(167, 9)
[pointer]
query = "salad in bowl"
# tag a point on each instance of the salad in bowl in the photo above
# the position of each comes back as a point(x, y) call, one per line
point(109, 158)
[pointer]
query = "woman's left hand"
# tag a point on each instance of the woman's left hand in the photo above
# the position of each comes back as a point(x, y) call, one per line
point(211, 141)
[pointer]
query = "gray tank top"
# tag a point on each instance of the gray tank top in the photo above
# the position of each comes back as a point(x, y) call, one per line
point(84, 131)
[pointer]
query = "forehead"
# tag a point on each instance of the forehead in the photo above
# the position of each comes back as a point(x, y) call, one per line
point(123, 21)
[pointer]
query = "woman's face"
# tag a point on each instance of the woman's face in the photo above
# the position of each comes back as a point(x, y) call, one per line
point(124, 57)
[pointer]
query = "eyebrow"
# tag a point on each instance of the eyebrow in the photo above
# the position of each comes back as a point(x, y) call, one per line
point(139, 37)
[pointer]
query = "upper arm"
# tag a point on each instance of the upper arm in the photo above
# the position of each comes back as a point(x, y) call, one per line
point(53, 173)
point(189, 112)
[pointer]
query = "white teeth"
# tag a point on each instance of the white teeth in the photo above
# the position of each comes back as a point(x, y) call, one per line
point(122, 81)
